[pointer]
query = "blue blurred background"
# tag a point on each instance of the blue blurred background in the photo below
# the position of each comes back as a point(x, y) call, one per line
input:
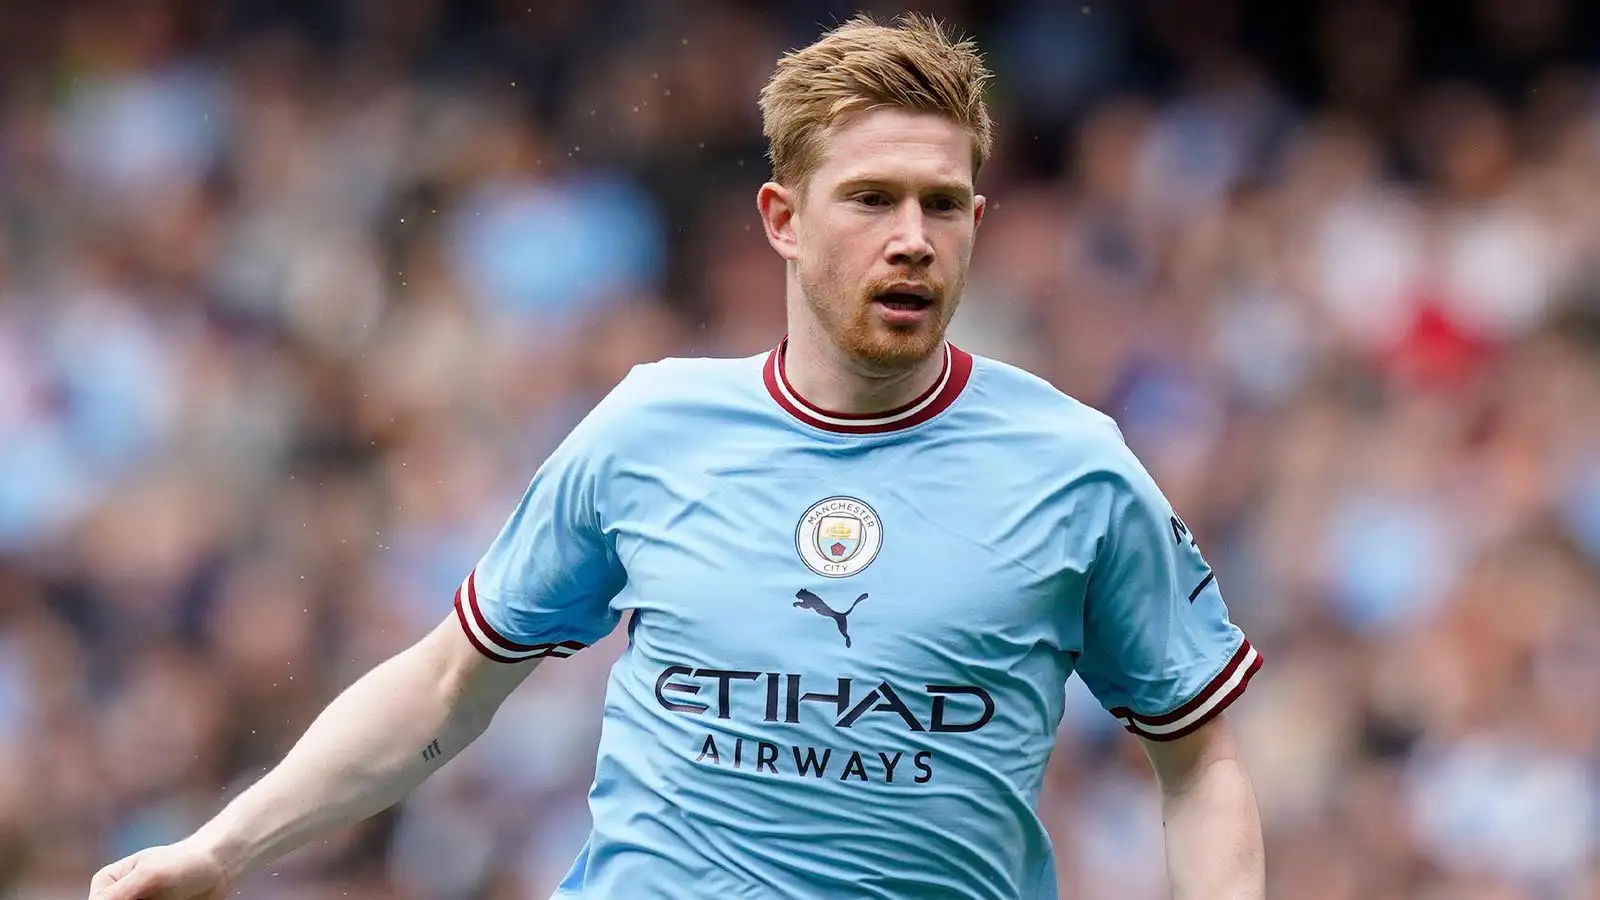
point(295, 295)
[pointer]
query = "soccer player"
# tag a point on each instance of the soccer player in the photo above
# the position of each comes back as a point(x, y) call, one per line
point(857, 569)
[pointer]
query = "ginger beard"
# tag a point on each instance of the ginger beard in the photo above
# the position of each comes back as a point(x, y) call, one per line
point(851, 319)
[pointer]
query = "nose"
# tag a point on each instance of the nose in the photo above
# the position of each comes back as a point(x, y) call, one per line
point(908, 245)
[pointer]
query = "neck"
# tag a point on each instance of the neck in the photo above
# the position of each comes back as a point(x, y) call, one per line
point(827, 377)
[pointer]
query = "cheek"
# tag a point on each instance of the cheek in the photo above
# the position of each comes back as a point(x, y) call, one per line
point(837, 255)
point(957, 240)
point(826, 250)
point(829, 235)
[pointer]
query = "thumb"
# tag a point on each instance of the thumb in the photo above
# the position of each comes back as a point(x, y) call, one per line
point(123, 880)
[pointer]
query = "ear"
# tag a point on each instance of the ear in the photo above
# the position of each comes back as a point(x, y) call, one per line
point(979, 204)
point(777, 205)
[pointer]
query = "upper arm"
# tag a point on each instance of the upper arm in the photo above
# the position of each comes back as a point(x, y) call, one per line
point(478, 684)
point(1159, 650)
point(1177, 761)
point(544, 586)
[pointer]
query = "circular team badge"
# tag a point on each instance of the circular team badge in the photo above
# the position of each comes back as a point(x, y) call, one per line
point(838, 537)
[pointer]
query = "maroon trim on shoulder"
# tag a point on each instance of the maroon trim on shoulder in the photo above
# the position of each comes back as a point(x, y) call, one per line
point(952, 380)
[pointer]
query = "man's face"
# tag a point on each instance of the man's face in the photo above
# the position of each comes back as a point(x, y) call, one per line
point(883, 236)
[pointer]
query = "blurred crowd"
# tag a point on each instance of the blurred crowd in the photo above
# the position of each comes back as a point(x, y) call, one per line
point(295, 296)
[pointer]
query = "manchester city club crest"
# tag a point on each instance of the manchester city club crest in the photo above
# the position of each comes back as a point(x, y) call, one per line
point(838, 537)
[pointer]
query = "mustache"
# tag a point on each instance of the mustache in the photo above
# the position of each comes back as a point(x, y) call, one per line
point(884, 283)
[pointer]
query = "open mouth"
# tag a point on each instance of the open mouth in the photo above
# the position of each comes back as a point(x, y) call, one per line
point(907, 299)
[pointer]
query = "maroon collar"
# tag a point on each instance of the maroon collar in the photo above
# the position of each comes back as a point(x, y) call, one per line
point(936, 399)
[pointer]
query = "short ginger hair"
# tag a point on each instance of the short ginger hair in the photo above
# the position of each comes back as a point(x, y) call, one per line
point(913, 64)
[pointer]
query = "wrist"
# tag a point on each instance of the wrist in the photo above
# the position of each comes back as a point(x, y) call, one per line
point(228, 851)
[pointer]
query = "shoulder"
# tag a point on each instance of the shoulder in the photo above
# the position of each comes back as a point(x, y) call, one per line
point(676, 382)
point(1042, 418)
point(660, 399)
point(1066, 456)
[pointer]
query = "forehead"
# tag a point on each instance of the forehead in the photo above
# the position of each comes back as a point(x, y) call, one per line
point(894, 144)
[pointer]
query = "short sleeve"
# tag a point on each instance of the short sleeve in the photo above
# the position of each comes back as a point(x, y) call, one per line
point(1159, 651)
point(545, 584)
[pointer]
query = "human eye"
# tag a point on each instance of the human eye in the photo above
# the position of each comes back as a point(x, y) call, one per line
point(872, 198)
point(944, 204)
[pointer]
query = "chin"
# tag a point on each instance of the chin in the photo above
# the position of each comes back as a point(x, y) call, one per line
point(888, 348)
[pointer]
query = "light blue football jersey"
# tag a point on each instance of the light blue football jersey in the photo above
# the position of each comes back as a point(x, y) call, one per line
point(848, 636)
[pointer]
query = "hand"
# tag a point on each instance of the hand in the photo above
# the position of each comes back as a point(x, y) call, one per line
point(181, 871)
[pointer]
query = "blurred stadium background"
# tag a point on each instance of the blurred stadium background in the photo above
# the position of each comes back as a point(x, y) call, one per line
point(295, 295)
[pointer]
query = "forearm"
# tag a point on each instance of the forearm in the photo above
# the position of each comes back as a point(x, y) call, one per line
point(1213, 834)
point(371, 746)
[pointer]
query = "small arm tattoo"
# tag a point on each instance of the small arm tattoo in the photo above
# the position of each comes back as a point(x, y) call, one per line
point(432, 751)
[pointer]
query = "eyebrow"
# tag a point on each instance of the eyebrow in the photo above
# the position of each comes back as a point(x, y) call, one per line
point(954, 188)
